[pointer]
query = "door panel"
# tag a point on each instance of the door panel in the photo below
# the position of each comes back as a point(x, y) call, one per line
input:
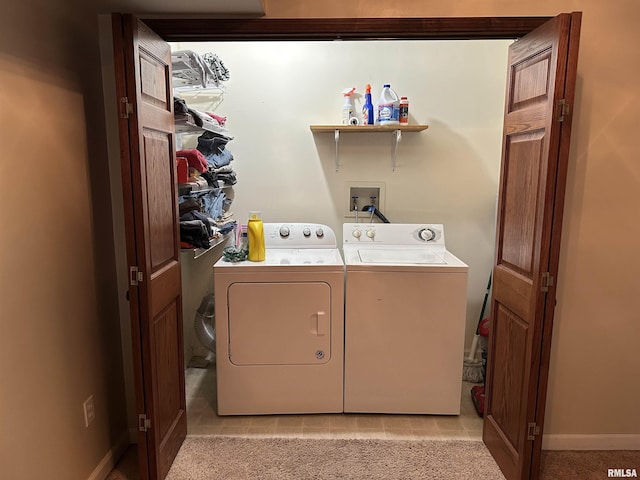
point(517, 242)
point(530, 80)
point(533, 175)
point(160, 202)
point(165, 357)
point(279, 323)
point(510, 342)
point(143, 73)
point(155, 78)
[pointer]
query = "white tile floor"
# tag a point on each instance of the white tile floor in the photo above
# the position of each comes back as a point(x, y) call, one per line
point(203, 420)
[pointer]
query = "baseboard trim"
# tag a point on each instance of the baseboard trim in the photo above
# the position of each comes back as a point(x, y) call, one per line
point(591, 442)
point(109, 461)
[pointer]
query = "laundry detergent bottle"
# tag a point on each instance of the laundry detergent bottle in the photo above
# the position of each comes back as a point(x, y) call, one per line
point(257, 251)
point(388, 106)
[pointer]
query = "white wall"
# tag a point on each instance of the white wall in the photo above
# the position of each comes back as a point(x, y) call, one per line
point(447, 174)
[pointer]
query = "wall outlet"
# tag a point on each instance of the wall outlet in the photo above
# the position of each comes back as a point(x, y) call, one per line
point(89, 411)
point(364, 191)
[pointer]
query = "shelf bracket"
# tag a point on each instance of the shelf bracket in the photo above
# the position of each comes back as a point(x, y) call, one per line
point(337, 138)
point(397, 139)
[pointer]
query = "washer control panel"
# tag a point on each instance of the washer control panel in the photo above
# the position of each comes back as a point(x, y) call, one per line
point(393, 234)
point(298, 235)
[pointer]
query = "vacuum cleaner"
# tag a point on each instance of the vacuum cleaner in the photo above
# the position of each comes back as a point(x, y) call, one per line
point(477, 391)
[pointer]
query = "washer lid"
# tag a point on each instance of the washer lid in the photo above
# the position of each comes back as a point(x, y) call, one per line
point(401, 257)
point(364, 258)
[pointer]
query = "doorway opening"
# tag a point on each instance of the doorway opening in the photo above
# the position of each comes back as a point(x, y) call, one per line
point(560, 40)
point(449, 174)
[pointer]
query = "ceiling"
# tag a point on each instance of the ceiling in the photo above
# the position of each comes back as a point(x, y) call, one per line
point(252, 8)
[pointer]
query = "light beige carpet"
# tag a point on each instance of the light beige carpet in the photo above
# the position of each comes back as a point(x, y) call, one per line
point(234, 458)
point(565, 465)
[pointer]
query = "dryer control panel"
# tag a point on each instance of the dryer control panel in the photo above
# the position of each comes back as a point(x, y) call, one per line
point(299, 235)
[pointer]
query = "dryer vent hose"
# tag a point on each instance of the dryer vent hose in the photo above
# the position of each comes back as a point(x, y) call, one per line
point(204, 323)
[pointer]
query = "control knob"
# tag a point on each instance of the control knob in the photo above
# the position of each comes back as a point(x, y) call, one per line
point(356, 233)
point(371, 233)
point(320, 233)
point(306, 232)
point(427, 234)
point(284, 231)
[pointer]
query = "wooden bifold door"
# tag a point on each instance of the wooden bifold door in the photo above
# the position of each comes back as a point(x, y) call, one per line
point(147, 140)
point(540, 91)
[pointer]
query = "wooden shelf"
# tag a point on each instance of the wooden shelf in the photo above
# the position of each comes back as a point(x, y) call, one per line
point(367, 128)
point(396, 130)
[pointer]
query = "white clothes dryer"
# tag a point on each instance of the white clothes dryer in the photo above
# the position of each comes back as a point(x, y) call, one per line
point(405, 310)
point(280, 325)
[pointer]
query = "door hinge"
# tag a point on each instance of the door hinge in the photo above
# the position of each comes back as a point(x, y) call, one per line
point(135, 276)
point(532, 431)
point(126, 108)
point(547, 281)
point(144, 424)
point(563, 106)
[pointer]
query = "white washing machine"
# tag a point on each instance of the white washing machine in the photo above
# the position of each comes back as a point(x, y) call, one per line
point(405, 304)
point(280, 325)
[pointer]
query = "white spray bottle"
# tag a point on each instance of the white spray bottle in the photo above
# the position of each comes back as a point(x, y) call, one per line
point(347, 108)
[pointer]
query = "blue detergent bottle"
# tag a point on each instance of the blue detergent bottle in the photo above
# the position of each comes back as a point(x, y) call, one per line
point(367, 108)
